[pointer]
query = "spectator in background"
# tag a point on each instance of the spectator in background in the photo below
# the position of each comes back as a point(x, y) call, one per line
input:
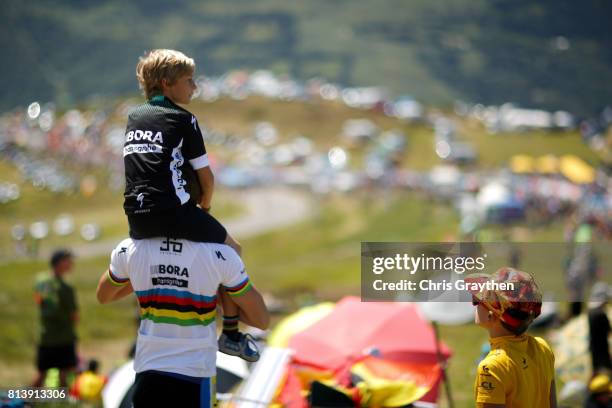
point(599, 328)
point(599, 392)
point(88, 385)
point(58, 318)
point(582, 266)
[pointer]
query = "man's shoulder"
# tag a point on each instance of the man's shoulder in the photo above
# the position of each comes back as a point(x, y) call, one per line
point(220, 251)
point(221, 257)
point(124, 246)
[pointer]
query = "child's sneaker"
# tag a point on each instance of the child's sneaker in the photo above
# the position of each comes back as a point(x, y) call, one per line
point(244, 348)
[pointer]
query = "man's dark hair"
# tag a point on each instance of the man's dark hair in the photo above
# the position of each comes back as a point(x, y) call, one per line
point(58, 256)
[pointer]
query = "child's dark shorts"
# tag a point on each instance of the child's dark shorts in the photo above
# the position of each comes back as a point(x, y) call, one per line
point(187, 222)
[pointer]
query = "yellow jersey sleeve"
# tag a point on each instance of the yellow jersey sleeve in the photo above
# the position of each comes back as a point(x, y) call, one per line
point(549, 355)
point(547, 359)
point(491, 381)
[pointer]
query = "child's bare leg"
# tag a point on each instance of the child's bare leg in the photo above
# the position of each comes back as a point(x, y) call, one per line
point(230, 315)
point(229, 240)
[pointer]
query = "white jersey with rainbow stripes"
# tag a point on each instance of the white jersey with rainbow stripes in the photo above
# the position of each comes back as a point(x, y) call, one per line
point(176, 283)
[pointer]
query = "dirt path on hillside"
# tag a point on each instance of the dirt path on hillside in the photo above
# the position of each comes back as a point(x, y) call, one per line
point(265, 209)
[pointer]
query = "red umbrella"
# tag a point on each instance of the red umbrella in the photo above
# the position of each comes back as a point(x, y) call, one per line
point(395, 331)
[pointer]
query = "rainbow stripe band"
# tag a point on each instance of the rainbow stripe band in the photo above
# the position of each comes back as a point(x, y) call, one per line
point(178, 294)
point(116, 280)
point(172, 306)
point(175, 321)
point(179, 319)
point(240, 289)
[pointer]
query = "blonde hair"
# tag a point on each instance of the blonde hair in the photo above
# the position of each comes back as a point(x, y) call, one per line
point(161, 64)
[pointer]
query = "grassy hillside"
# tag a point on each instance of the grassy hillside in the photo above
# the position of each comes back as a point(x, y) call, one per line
point(553, 54)
point(322, 122)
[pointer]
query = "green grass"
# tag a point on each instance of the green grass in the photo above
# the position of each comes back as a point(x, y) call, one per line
point(496, 150)
point(323, 254)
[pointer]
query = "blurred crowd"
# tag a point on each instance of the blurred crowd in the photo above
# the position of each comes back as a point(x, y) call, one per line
point(51, 148)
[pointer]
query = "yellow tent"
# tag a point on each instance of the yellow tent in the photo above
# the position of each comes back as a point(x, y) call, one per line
point(548, 164)
point(521, 163)
point(298, 321)
point(576, 169)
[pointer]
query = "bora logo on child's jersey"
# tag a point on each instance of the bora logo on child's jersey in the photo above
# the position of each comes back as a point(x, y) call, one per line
point(144, 135)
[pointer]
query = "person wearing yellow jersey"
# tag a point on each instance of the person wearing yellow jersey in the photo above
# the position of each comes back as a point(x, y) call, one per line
point(518, 372)
point(88, 385)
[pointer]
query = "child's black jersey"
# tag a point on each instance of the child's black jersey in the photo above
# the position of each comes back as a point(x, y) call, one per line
point(161, 139)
